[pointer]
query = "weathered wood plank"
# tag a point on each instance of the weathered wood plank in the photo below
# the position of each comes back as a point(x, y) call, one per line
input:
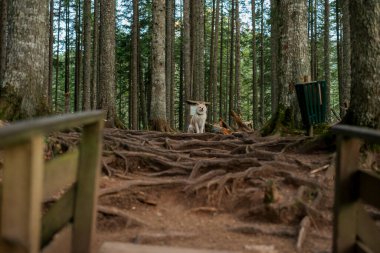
point(369, 183)
point(367, 230)
point(22, 131)
point(61, 242)
point(60, 172)
point(87, 186)
point(58, 216)
point(22, 193)
point(118, 247)
point(346, 199)
point(367, 134)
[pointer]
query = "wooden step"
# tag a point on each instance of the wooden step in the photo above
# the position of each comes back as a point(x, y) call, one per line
point(119, 247)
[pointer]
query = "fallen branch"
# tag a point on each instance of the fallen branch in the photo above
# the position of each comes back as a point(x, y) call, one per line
point(304, 226)
point(131, 220)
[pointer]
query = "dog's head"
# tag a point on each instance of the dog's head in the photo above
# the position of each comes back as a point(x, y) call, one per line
point(201, 109)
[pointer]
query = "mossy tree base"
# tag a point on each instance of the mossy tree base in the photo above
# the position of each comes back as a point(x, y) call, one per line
point(159, 125)
point(281, 122)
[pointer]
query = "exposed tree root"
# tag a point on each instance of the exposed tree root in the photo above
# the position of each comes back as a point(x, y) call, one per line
point(130, 219)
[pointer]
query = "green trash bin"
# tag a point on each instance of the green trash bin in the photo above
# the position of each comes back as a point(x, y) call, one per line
point(312, 100)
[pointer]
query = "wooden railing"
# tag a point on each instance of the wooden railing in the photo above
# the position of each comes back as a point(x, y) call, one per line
point(27, 180)
point(354, 230)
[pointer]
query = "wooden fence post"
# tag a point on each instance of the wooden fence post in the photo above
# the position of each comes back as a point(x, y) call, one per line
point(22, 193)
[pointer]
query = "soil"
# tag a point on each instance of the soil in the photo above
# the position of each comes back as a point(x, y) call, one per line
point(239, 192)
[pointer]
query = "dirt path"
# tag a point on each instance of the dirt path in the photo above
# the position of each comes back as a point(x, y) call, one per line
point(238, 192)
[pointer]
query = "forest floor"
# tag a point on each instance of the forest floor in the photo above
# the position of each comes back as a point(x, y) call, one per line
point(238, 192)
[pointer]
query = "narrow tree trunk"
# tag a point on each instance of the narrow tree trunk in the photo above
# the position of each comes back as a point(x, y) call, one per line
point(255, 102)
point(67, 59)
point(339, 57)
point(107, 100)
point(365, 92)
point(168, 58)
point(51, 41)
point(215, 60)
point(346, 57)
point(221, 83)
point(186, 48)
point(274, 41)
point(95, 58)
point(134, 66)
point(57, 58)
point(326, 57)
point(77, 57)
point(158, 100)
point(262, 87)
point(198, 51)
point(86, 98)
point(231, 72)
point(211, 80)
point(23, 89)
point(3, 37)
point(181, 94)
point(237, 58)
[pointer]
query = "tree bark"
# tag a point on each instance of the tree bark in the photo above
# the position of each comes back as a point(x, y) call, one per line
point(51, 42)
point(186, 48)
point(23, 91)
point(274, 41)
point(221, 82)
point(67, 59)
point(107, 61)
point(346, 57)
point(237, 57)
point(3, 36)
point(57, 58)
point(78, 60)
point(262, 87)
point(158, 119)
point(255, 102)
point(231, 70)
point(95, 58)
point(365, 92)
point(86, 97)
point(198, 51)
point(327, 75)
point(135, 77)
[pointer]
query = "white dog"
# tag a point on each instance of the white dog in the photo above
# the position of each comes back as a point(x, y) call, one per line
point(197, 122)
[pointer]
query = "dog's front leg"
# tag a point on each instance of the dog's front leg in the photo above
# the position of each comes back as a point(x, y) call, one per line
point(197, 128)
point(202, 128)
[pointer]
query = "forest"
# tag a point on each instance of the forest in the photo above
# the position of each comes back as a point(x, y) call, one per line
point(256, 184)
point(142, 60)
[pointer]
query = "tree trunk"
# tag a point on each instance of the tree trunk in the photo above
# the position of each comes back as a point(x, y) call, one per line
point(135, 77)
point(158, 100)
point(326, 57)
point(274, 41)
point(221, 83)
point(365, 92)
point(57, 58)
point(186, 48)
point(23, 90)
point(237, 57)
point(339, 58)
point(67, 59)
point(107, 61)
point(78, 64)
point(198, 51)
point(95, 58)
point(231, 71)
point(255, 102)
point(346, 57)
point(293, 61)
point(51, 42)
point(262, 87)
point(3, 36)
point(86, 97)
point(168, 56)
point(211, 80)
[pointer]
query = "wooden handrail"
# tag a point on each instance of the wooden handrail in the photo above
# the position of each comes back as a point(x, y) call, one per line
point(23, 130)
point(367, 134)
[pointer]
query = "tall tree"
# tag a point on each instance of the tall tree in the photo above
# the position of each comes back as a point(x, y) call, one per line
point(262, 48)
point(231, 59)
point(293, 60)
point(86, 100)
point(326, 51)
point(186, 48)
point(274, 55)
point(169, 61)
point(339, 56)
point(50, 56)
point(3, 36)
point(346, 57)
point(237, 57)
point(365, 92)
point(198, 50)
point(107, 61)
point(221, 83)
point(158, 99)
point(23, 90)
point(95, 57)
point(255, 102)
point(135, 75)
point(78, 56)
point(57, 57)
point(67, 57)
